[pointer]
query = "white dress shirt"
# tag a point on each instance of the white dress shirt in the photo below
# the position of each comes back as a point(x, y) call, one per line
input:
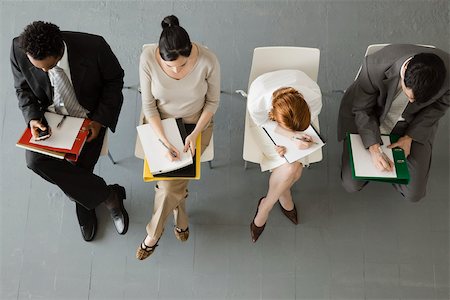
point(259, 100)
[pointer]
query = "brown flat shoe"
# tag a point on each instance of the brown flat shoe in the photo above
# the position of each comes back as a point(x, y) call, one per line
point(290, 214)
point(255, 230)
point(144, 251)
point(180, 234)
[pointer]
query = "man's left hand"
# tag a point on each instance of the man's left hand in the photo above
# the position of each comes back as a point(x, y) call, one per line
point(94, 129)
point(405, 143)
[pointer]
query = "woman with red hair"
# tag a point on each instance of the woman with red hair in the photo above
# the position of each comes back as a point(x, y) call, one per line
point(292, 99)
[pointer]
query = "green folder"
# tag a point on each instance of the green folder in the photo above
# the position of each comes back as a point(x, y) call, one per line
point(400, 162)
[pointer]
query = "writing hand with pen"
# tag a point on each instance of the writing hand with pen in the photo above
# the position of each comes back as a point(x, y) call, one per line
point(380, 159)
point(172, 153)
point(302, 140)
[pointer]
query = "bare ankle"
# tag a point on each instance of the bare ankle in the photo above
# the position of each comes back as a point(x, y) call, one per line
point(150, 241)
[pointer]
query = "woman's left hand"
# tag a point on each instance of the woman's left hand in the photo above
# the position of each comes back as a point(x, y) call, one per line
point(189, 143)
point(281, 150)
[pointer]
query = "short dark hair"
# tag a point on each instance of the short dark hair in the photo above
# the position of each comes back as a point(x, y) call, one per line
point(424, 75)
point(41, 40)
point(174, 40)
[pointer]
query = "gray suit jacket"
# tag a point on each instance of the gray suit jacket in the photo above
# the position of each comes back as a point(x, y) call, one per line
point(367, 101)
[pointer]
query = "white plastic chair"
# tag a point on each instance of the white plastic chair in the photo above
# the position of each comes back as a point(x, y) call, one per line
point(371, 49)
point(268, 59)
point(208, 154)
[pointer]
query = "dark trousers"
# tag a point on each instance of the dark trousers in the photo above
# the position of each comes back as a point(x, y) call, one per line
point(76, 180)
point(419, 162)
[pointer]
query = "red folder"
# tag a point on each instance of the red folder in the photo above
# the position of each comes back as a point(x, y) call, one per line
point(72, 154)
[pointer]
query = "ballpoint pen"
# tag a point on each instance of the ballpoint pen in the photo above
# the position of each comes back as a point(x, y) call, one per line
point(173, 153)
point(60, 122)
point(303, 139)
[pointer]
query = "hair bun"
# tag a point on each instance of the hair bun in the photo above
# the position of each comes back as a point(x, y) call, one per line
point(169, 21)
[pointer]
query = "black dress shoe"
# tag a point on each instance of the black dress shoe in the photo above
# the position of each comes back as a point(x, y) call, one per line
point(87, 221)
point(118, 213)
point(88, 230)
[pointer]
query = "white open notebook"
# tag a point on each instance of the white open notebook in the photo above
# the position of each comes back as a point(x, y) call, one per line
point(293, 153)
point(156, 153)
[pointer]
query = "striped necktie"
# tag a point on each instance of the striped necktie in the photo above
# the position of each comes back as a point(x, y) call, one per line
point(64, 94)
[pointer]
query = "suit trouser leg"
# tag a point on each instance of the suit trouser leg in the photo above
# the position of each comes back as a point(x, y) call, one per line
point(76, 180)
point(349, 184)
point(168, 197)
point(419, 162)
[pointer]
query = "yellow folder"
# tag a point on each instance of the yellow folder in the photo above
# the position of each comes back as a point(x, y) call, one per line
point(198, 149)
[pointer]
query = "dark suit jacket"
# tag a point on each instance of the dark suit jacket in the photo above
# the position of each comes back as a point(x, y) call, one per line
point(96, 74)
point(367, 101)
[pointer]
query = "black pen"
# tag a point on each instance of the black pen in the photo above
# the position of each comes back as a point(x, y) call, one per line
point(173, 153)
point(60, 122)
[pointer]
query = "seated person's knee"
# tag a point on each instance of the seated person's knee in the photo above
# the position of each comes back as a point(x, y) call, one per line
point(352, 186)
point(34, 162)
point(413, 195)
point(294, 170)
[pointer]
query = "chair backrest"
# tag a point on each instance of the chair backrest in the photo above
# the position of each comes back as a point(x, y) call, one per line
point(268, 59)
point(371, 49)
point(147, 45)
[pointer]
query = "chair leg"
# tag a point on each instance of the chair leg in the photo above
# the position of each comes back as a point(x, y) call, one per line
point(245, 165)
point(111, 158)
point(210, 164)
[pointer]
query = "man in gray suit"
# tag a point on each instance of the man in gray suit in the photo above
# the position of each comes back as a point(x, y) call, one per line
point(402, 90)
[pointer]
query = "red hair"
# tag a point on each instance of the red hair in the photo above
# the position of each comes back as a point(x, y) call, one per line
point(290, 109)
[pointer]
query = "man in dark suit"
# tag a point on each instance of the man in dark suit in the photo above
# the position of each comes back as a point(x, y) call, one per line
point(402, 90)
point(75, 74)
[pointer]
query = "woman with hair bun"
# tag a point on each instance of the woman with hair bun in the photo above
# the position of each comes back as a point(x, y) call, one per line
point(292, 99)
point(178, 79)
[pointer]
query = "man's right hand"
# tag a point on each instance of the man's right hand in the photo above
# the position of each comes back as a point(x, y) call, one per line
point(380, 159)
point(36, 126)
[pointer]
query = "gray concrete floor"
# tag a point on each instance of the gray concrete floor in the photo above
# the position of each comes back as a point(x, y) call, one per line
point(369, 245)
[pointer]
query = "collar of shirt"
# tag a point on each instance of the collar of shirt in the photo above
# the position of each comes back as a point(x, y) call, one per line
point(63, 63)
point(403, 68)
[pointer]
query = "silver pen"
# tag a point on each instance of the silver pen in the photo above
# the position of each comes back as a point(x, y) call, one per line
point(173, 153)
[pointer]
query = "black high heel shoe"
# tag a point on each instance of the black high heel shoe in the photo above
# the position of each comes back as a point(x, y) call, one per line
point(290, 214)
point(255, 230)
